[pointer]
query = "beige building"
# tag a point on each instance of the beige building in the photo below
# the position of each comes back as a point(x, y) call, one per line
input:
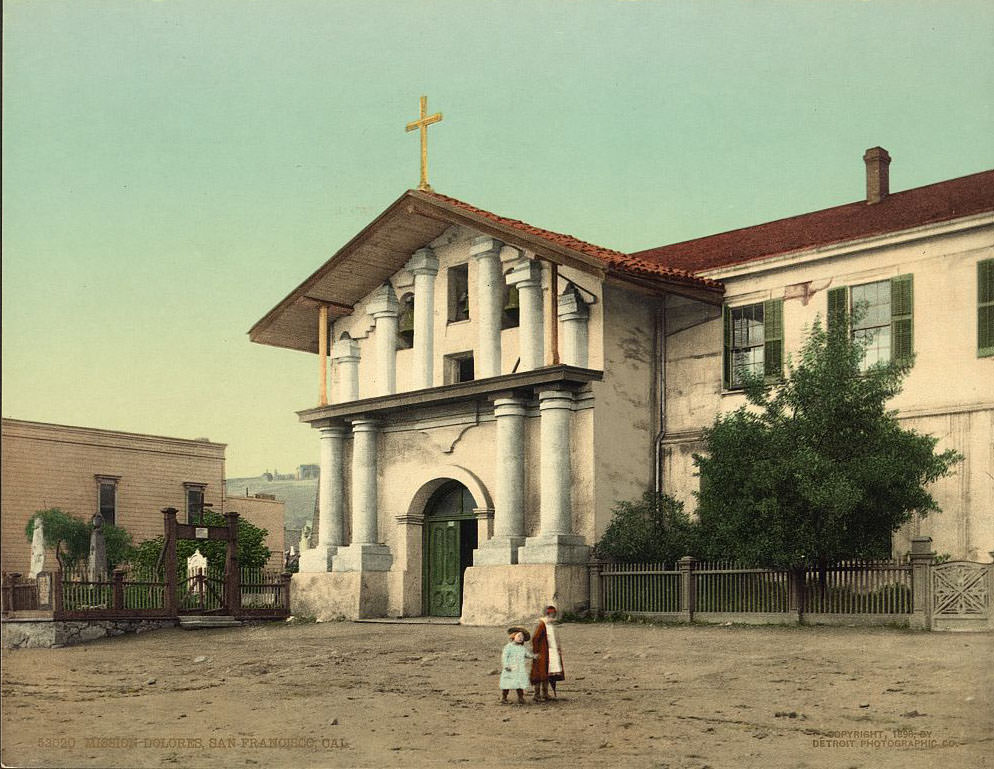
point(127, 477)
point(494, 387)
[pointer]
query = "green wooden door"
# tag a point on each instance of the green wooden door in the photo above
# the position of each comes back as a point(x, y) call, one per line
point(444, 599)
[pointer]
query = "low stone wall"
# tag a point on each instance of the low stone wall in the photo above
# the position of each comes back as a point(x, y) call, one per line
point(49, 633)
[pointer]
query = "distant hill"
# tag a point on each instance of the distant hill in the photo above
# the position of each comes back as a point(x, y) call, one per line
point(299, 497)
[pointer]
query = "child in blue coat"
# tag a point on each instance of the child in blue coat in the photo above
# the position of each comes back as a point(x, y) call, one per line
point(514, 668)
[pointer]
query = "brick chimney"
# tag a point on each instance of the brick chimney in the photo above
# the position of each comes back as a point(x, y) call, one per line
point(877, 174)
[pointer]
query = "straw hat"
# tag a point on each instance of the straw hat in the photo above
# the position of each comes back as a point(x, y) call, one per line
point(516, 629)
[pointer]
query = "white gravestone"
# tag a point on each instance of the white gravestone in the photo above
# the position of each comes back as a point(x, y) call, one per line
point(196, 563)
point(37, 549)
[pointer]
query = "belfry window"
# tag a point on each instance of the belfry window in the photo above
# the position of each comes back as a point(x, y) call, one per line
point(405, 322)
point(459, 368)
point(458, 292)
point(510, 316)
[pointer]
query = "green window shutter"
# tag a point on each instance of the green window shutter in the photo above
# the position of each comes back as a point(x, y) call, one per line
point(726, 357)
point(985, 308)
point(838, 306)
point(773, 339)
point(901, 319)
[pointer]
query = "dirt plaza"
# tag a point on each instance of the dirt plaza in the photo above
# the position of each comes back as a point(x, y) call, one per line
point(390, 695)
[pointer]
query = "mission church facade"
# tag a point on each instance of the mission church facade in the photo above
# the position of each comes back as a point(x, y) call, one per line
point(495, 387)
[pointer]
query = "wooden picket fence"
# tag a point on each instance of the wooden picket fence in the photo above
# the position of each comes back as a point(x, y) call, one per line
point(701, 588)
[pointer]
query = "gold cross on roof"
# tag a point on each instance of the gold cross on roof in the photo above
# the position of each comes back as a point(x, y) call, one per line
point(423, 122)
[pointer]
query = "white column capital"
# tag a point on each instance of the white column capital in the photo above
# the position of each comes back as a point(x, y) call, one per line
point(383, 302)
point(571, 305)
point(555, 399)
point(423, 262)
point(345, 350)
point(526, 274)
point(485, 246)
point(509, 406)
point(333, 431)
point(365, 425)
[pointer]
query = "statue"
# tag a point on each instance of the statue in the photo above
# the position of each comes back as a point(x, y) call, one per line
point(305, 538)
point(97, 564)
point(37, 549)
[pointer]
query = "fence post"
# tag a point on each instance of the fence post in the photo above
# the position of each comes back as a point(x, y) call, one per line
point(286, 577)
point(232, 573)
point(594, 570)
point(117, 592)
point(797, 586)
point(170, 601)
point(922, 558)
point(9, 588)
point(688, 587)
point(57, 593)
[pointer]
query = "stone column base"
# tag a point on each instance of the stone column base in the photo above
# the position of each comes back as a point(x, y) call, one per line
point(498, 550)
point(363, 557)
point(554, 548)
point(336, 595)
point(317, 559)
point(518, 594)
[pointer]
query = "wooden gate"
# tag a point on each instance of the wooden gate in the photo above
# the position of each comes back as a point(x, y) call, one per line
point(961, 595)
point(207, 592)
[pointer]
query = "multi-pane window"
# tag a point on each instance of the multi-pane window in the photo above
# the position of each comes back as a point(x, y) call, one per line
point(753, 343)
point(880, 314)
point(107, 498)
point(194, 502)
point(985, 307)
point(458, 292)
point(871, 313)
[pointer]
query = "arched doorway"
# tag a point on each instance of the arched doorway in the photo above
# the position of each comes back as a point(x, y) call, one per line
point(450, 538)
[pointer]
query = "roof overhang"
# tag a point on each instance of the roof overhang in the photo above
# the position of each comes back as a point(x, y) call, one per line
point(385, 245)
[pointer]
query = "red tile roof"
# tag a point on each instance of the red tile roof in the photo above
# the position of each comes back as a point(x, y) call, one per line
point(934, 203)
point(616, 260)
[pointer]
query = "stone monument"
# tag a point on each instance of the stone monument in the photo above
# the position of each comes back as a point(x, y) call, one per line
point(97, 564)
point(37, 549)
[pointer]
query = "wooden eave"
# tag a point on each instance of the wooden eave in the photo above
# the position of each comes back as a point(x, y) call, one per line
point(384, 246)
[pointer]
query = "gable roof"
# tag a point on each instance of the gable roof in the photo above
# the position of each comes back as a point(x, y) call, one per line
point(898, 211)
point(413, 221)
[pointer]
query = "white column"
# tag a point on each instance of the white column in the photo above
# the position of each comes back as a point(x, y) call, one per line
point(490, 305)
point(364, 554)
point(527, 276)
point(345, 353)
point(364, 525)
point(424, 266)
point(574, 316)
point(384, 308)
point(555, 542)
point(330, 502)
point(509, 500)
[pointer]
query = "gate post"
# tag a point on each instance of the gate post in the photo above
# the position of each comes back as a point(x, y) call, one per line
point(171, 600)
point(921, 558)
point(117, 589)
point(594, 567)
point(688, 587)
point(232, 575)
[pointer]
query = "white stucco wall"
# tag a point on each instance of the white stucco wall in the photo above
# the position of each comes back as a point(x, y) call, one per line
point(949, 392)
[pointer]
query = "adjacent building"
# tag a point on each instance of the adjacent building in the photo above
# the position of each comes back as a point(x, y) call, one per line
point(127, 477)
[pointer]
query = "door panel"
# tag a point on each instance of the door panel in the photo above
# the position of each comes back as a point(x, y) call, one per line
point(443, 569)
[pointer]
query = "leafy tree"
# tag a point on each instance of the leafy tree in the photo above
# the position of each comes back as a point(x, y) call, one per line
point(652, 529)
point(816, 469)
point(252, 553)
point(74, 534)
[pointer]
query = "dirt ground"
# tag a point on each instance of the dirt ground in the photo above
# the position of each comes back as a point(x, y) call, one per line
point(381, 695)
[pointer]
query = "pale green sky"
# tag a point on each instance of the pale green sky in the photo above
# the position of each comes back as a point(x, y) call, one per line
point(171, 170)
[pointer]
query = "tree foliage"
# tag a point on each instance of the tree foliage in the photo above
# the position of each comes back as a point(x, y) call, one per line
point(816, 468)
point(74, 533)
point(652, 529)
point(252, 552)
